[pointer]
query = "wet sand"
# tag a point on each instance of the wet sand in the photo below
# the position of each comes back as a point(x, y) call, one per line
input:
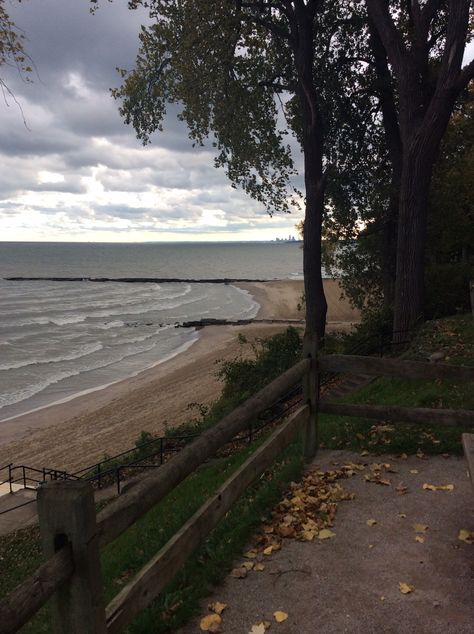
point(74, 434)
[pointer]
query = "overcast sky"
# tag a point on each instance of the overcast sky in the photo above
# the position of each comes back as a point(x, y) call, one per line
point(77, 172)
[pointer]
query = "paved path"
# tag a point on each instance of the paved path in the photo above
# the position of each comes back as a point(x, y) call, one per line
point(350, 583)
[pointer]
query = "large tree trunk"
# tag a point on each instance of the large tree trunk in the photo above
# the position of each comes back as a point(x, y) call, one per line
point(312, 133)
point(316, 305)
point(411, 242)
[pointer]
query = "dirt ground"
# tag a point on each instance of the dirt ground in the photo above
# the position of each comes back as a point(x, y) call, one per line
point(350, 583)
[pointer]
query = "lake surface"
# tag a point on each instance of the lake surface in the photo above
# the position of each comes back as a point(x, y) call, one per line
point(59, 339)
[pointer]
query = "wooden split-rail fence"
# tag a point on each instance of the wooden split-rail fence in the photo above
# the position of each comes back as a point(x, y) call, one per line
point(73, 534)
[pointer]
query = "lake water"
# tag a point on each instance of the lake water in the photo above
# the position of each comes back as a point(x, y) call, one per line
point(58, 339)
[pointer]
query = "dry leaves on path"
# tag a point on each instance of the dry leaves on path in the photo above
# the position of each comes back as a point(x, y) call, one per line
point(438, 487)
point(405, 588)
point(466, 536)
point(211, 623)
point(280, 616)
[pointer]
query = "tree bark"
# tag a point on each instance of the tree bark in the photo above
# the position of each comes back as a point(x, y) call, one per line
point(312, 133)
point(425, 106)
point(411, 242)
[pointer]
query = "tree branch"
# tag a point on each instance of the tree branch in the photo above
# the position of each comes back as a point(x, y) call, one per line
point(379, 13)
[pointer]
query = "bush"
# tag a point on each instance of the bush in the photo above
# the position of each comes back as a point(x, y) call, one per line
point(244, 377)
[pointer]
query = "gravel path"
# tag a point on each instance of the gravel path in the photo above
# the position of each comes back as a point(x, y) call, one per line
point(350, 583)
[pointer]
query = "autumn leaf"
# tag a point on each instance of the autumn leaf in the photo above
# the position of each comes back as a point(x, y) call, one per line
point(401, 489)
point(420, 539)
point(438, 487)
point(210, 623)
point(250, 554)
point(280, 616)
point(371, 522)
point(326, 534)
point(248, 565)
point(466, 536)
point(217, 607)
point(268, 550)
point(259, 567)
point(258, 628)
point(405, 588)
point(239, 573)
point(420, 528)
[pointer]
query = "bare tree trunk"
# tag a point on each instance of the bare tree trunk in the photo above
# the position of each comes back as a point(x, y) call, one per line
point(316, 305)
point(411, 242)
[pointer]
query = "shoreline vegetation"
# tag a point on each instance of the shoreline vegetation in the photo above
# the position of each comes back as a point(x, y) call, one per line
point(72, 434)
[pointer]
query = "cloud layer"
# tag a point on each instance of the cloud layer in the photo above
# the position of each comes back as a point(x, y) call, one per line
point(74, 171)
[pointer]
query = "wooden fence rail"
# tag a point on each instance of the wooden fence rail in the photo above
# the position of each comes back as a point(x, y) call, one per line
point(72, 534)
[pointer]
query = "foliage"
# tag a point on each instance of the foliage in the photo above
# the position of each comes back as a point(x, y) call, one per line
point(12, 51)
point(214, 61)
point(455, 337)
point(272, 356)
point(20, 552)
point(244, 376)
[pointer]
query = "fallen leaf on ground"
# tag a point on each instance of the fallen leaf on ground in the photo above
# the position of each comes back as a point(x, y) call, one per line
point(217, 607)
point(250, 554)
point(414, 471)
point(248, 565)
point(420, 528)
point(402, 515)
point(405, 588)
point(259, 567)
point(420, 539)
point(401, 489)
point(280, 616)
point(371, 522)
point(210, 623)
point(268, 550)
point(466, 536)
point(326, 534)
point(239, 573)
point(258, 628)
point(438, 487)
point(403, 456)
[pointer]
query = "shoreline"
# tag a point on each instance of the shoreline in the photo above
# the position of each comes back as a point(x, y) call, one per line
point(68, 435)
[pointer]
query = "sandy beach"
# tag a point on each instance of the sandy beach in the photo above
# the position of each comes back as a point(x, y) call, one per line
point(79, 432)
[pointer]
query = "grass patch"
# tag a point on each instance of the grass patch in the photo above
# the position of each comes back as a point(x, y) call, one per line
point(20, 552)
point(455, 338)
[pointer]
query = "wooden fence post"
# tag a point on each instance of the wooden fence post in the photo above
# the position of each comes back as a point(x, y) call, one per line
point(311, 397)
point(66, 513)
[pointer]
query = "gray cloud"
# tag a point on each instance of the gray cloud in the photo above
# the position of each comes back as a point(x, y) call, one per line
point(76, 165)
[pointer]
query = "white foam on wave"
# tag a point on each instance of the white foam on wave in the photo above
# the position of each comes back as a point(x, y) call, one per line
point(84, 352)
point(71, 397)
point(252, 311)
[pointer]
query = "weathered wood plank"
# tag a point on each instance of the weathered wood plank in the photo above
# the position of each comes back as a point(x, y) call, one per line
point(423, 415)
point(18, 607)
point(394, 367)
point(66, 512)
point(468, 445)
point(159, 571)
point(147, 491)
